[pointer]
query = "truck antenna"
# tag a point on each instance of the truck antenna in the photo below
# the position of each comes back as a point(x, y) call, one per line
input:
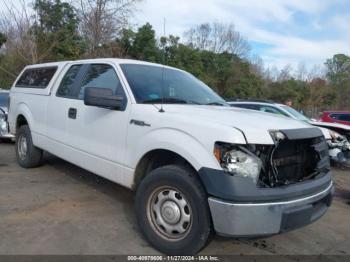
point(161, 110)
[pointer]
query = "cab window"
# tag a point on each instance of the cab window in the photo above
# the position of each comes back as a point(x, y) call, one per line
point(36, 77)
point(102, 76)
point(69, 82)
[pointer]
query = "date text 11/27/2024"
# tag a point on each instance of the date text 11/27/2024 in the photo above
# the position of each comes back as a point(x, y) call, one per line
point(173, 258)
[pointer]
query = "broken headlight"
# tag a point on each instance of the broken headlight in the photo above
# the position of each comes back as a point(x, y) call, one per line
point(238, 161)
point(277, 136)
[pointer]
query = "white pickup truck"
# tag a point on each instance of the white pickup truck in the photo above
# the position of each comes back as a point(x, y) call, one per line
point(198, 166)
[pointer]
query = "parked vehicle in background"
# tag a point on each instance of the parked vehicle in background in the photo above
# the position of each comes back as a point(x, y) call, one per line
point(4, 128)
point(341, 117)
point(197, 165)
point(337, 135)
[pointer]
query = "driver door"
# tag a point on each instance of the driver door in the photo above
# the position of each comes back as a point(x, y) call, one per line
point(99, 132)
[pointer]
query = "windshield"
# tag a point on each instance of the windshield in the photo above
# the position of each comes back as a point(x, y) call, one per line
point(3, 99)
point(154, 84)
point(295, 113)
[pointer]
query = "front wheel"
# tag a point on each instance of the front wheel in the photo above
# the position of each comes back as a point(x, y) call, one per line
point(28, 156)
point(172, 211)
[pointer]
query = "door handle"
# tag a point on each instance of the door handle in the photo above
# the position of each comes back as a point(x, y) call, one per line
point(72, 113)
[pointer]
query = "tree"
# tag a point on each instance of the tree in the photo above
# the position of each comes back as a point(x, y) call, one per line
point(55, 27)
point(257, 66)
point(217, 38)
point(321, 95)
point(126, 41)
point(338, 69)
point(301, 72)
point(338, 73)
point(144, 45)
point(285, 73)
point(102, 21)
point(21, 47)
point(243, 82)
point(293, 89)
point(16, 23)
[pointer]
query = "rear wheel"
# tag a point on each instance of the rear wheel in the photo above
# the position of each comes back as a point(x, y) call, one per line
point(28, 156)
point(172, 210)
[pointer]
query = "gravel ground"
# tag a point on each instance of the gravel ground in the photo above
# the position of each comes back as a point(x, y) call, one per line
point(62, 209)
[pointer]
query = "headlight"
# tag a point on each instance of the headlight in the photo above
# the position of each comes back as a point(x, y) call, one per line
point(238, 161)
point(3, 123)
point(277, 136)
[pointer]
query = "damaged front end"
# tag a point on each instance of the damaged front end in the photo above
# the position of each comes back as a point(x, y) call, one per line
point(296, 156)
point(270, 189)
point(339, 149)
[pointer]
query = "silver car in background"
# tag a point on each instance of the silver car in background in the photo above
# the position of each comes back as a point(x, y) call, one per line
point(337, 139)
point(4, 127)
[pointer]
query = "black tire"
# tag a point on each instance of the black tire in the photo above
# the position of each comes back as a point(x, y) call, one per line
point(33, 155)
point(190, 187)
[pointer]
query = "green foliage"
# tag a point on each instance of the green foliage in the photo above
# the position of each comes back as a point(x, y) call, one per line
point(338, 74)
point(144, 44)
point(233, 77)
point(296, 90)
point(56, 30)
point(57, 38)
point(338, 69)
point(10, 64)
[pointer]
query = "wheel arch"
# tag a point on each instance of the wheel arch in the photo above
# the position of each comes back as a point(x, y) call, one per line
point(169, 146)
point(23, 117)
point(157, 158)
point(21, 120)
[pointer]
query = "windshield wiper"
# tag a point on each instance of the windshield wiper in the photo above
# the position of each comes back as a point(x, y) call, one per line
point(169, 100)
point(215, 104)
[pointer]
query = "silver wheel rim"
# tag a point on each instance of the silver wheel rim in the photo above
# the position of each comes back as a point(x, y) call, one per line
point(169, 213)
point(22, 147)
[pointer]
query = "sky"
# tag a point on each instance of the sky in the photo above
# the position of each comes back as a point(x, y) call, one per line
point(281, 32)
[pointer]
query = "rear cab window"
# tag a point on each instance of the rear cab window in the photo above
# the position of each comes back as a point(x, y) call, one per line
point(36, 77)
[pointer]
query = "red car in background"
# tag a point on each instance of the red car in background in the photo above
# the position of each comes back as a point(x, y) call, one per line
point(341, 117)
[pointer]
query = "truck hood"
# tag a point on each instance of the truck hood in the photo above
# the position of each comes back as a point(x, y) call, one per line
point(330, 125)
point(254, 124)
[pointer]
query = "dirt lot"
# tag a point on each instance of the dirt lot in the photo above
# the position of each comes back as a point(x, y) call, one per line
point(62, 209)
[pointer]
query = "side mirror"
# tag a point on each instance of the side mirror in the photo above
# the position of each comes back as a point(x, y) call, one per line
point(102, 97)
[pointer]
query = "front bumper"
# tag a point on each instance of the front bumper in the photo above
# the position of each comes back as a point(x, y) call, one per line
point(268, 218)
point(340, 158)
point(6, 136)
point(4, 130)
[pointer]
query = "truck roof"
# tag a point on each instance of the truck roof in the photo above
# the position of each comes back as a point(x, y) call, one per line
point(63, 64)
point(97, 60)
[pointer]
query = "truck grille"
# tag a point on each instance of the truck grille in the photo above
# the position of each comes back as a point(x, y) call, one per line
point(300, 156)
point(298, 160)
